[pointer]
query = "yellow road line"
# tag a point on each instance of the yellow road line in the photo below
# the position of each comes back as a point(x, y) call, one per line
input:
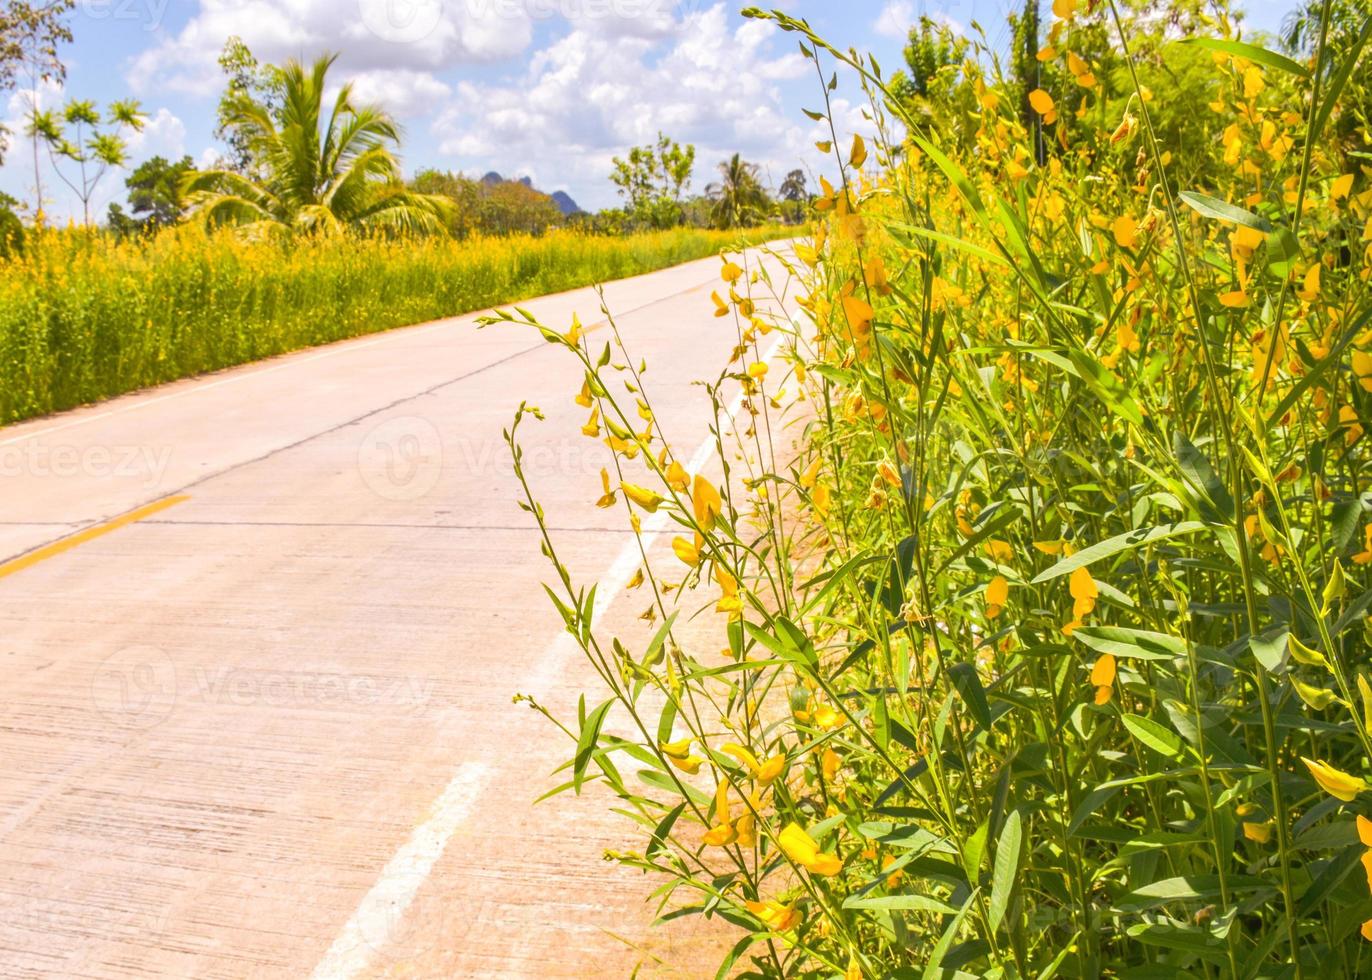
point(89, 534)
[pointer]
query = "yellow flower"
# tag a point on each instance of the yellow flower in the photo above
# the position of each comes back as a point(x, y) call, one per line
point(1335, 782)
point(721, 307)
point(721, 835)
point(1064, 8)
point(999, 550)
point(1126, 231)
point(1084, 592)
point(687, 551)
point(1259, 833)
point(584, 398)
point(1103, 677)
point(677, 477)
point(690, 764)
point(730, 272)
point(774, 915)
point(645, 498)
point(1310, 291)
point(1235, 299)
point(801, 848)
point(679, 749)
point(592, 426)
point(829, 763)
point(1362, 368)
point(859, 313)
point(607, 497)
point(1341, 187)
point(827, 718)
point(888, 473)
point(771, 769)
point(1041, 101)
point(996, 594)
point(706, 502)
point(757, 370)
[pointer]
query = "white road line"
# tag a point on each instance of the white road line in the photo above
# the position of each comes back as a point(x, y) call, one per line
point(382, 907)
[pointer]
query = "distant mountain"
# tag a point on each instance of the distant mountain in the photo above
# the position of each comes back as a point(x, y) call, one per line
point(562, 199)
point(564, 202)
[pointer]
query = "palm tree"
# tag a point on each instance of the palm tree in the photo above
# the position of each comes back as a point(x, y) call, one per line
point(739, 196)
point(312, 173)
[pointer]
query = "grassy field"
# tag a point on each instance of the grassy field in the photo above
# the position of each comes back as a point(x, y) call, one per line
point(84, 318)
point(1058, 665)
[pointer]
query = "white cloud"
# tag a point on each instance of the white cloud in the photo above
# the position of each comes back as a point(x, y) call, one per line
point(372, 35)
point(592, 94)
point(163, 135)
point(896, 19)
point(402, 92)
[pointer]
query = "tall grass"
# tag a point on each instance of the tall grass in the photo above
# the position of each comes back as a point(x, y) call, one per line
point(85, 317)
point(1058, 664)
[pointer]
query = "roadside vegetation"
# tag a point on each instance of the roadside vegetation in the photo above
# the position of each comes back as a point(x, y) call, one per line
point(81, 323)
point(1045, 652)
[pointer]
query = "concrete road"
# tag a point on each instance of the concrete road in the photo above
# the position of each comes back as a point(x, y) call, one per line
point(260, 632)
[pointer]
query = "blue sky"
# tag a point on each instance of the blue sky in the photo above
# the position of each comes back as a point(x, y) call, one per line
point(551, 89)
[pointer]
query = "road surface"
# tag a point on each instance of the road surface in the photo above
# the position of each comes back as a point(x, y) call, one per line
point(260, 633)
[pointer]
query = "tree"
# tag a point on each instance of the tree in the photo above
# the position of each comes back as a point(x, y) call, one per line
point(1300, 34)
point(653, 178)
point(11, 228)
point(95, 145)
point(793, 187)
point(739, 197)
point(309, 171)
point(929, 90)
point(246, 78)
point(30, 34)
point(155, 193)
point(491, 206)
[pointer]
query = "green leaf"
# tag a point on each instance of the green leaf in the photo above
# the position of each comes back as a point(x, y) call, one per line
point(965, 679)
point(1186, 888)
point(1252, 52)
point(933, 970)
point(1153, 734)
point(1113, 546)
point(586, 743)
point(1007, 864)
point(900, 903)
point(1131, 643)
point(664, 830)
point(1213, 207)
point(1269, 648)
